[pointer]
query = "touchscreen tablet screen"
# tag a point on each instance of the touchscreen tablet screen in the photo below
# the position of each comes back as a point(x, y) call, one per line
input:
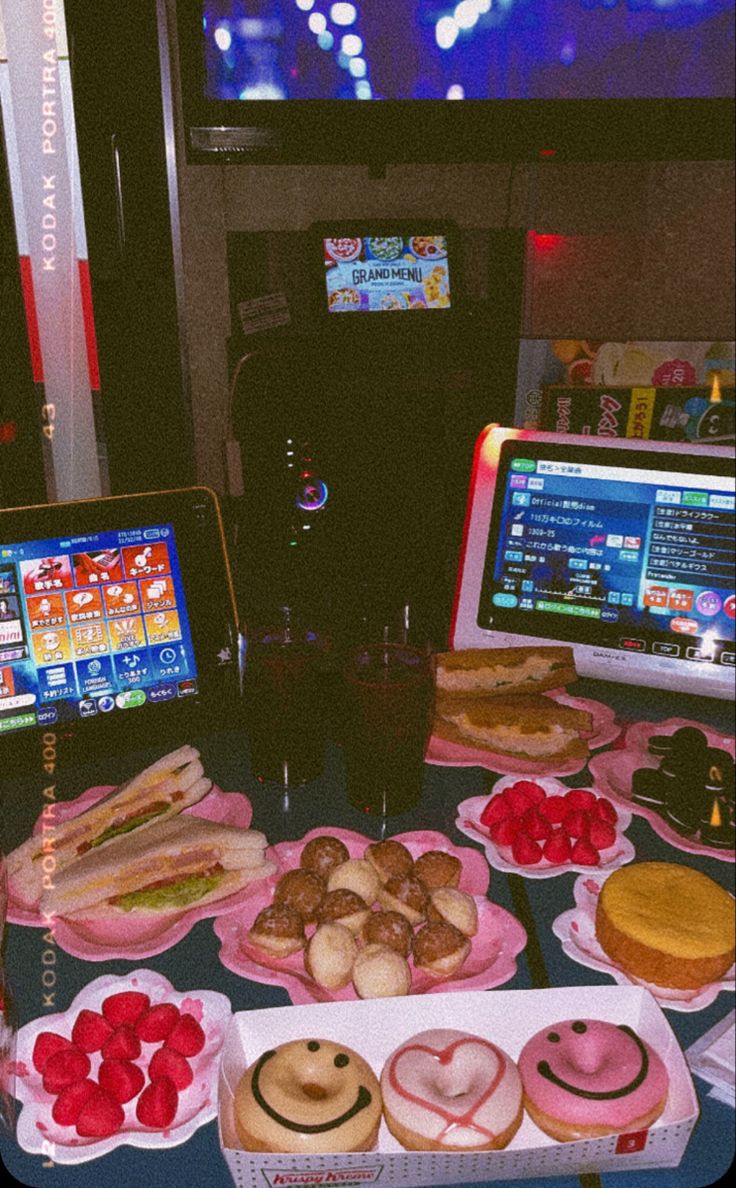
point(390, 272)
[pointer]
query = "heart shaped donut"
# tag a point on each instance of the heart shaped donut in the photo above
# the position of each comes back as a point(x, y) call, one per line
point(446, 1090)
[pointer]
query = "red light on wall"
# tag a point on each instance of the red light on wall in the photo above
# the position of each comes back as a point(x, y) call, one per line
point(8, 432)
point(548, 152)
point(545, 243)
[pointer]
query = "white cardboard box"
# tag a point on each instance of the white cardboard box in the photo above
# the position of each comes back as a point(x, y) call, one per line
point(508, 1017)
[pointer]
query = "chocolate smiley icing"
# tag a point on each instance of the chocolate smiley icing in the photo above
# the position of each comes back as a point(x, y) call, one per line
point(362, 1100)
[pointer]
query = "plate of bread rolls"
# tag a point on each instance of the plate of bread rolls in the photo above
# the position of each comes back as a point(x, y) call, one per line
point(344, 918)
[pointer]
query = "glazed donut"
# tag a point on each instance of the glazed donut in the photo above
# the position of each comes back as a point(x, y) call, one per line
point(584, 1078)
point(448, 1090)
point(308, 1096)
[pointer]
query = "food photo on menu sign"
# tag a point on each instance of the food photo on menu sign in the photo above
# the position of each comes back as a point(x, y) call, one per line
point(387, 272)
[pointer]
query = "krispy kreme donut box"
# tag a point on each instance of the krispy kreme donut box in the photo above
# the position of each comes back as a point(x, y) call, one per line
point(508, 1018)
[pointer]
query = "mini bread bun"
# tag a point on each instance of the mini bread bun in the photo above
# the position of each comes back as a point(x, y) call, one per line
point(322, 854)
point(389, 859)
point(455, 907)
point(435, 868)
point(278, 930)
point(329, 956)
point(357, 875)
point(439, 949)
point(343, 906)
point(390, 929)
point(380, 972)
point(302, 891)
point(404, 894)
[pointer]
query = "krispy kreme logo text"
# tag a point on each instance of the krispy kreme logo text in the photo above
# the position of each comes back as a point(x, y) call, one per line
point(348, 1177)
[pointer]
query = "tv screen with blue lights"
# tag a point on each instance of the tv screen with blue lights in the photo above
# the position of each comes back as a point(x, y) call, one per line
point(468, 50)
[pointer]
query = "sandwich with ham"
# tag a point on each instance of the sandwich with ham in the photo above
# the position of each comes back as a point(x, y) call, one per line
point(161, 791)
point(171, 867)
point(496, 672)
point(526, 726)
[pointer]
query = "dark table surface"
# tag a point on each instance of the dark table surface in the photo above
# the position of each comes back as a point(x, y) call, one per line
point(193, 963)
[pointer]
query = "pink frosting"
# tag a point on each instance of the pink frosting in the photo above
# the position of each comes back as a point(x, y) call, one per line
point(565, 1061)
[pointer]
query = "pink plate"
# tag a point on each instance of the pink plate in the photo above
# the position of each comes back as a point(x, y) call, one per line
point(39, 1134)
point(141, 936)
point(491, 962)
point(576, 930)
point(605, 730)
point(500, 857)
point(614, 771)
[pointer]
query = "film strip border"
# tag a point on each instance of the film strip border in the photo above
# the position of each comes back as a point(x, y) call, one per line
point(46, 193)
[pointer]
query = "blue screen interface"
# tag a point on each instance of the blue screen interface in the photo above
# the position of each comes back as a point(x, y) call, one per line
point(640, 560)
point(92, 625)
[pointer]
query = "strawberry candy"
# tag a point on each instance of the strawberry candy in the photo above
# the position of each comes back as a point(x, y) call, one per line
point(557, 847)
point(122, 1079)
point(584, 853)
point(47, 1042)
point(504, 832)
point(186, 1036)
point(100, 1116)
point(63, 1067)
point(576, 823)
point(526, 851)
point(123, 1044)
point(90, 1031)
point(554, 808)
point(158, 1103)
point(580, 798)
point(65, 1109)
point(604, 810)
point(125, 1007)
point(533, 791)
point(535, 825)
point(166, 1062)
point(155, 1024)
point(496, 810)
point(517, 800)
point(602, 835)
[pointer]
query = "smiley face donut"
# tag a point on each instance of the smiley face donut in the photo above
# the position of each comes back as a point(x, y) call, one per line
point(308, 1096)
point(447, 1090)
point(584, 1078)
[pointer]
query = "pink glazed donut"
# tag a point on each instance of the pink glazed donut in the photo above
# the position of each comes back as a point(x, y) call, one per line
point(584, 1078)
point(447, 1090)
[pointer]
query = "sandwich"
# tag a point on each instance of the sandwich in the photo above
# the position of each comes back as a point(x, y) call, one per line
point(162, 790)
point(493, 672)
point(528, 726)
point(174, 865)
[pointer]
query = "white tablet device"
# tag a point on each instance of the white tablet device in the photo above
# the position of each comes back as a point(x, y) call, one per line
point(622, 548)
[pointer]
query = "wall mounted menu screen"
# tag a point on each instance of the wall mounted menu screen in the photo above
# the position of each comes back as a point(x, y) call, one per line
point(91, 625)
point(622, 556)
point(391, 273)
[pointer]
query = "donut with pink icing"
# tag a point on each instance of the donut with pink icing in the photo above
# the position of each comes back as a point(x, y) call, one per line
point(584, 1078)
point(446, 1090)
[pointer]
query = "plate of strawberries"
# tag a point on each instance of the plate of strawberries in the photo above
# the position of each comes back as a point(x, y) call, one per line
point(541, 828)
point(132, 1061)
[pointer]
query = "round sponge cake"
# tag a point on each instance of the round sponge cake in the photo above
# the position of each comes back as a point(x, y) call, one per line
point(666, 924)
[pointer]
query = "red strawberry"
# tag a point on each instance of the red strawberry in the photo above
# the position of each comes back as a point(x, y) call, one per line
point(154, 1025)
point(125, 1007)
point(557, 847)
point(554, 808)
point(158, 1103)
point(602, 835)
point(122, 1079)
point(518, 800)
point(526, 851)
point(535, 825)
point(604, 810)
point(90, 1031)
point(123, 1044)
point(584, 853)
point(100, 1116)
point(576, 823)
point(47, 1042)
point(504, 832)
point(580, 798)
point(166, 1062)
point(186, 1036)
point(496, 809)
point(535, 792)
point(65, 1109)
point(65, 1066)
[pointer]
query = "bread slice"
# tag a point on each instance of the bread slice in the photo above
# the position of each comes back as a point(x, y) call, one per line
point(525, 726)
point(495, 672)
